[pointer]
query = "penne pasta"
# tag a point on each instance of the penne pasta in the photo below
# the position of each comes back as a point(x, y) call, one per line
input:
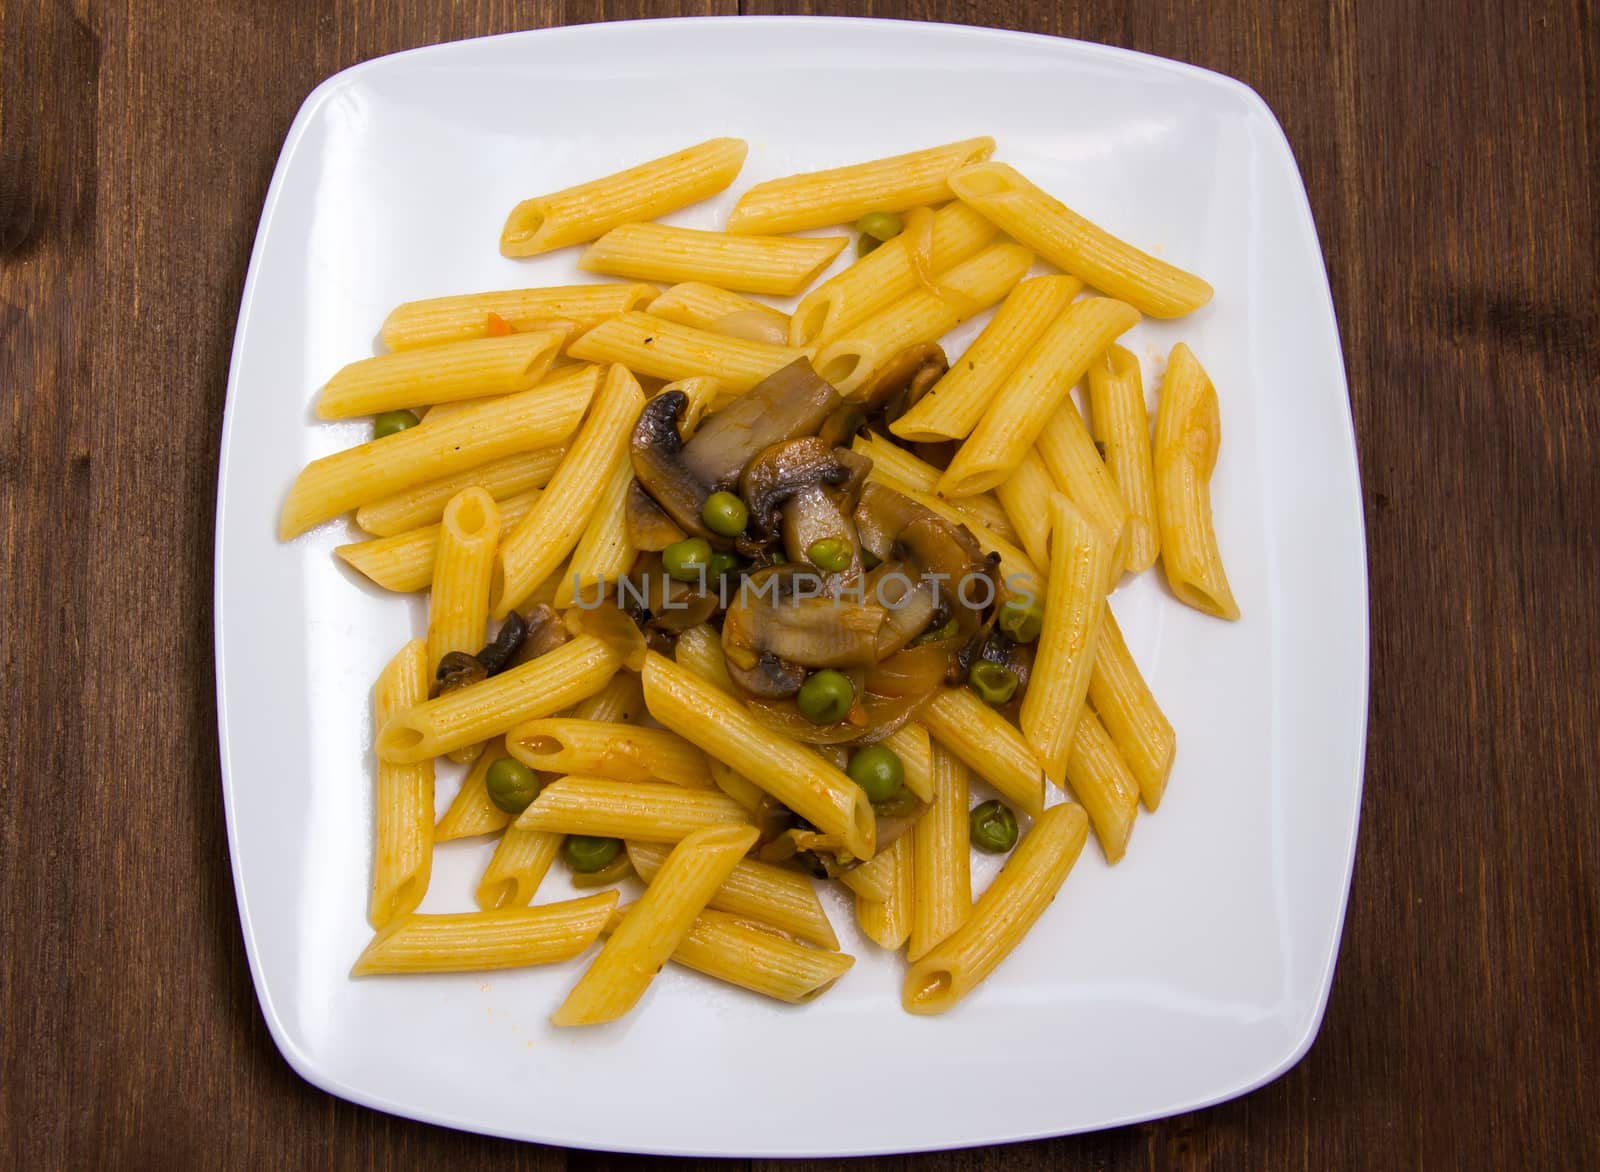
point(778, 265)
point(872, 880)
point(706, 307)
point(1002, 916)
point(404, 561)
point(602, 749)
point(842, 195)
point(458, 605)
point(699, 650)
point(884, 276)
point(471, 813)
point(941, 852)
point(1074, 611)
point(659, 348)
point(440, 374)
point(1121, 427)
point(887, 922)
point(604, 552)
point(776, 896)
point(703, 714)
point(522, 858)
point(903, 471)
point(423, 504)
point(644, 192)
point(1078, 472)
point(540, 687)
point(619, 702)
point(953, 406)
point(912, 744)
point(638, 811)
point(737, 786)
point(655, 926)
point(1021, 495)
point(1034, 392)
point(467, 941)
point(402, 858)
point(991, 747)
point(852, 359)
point(1100, 780)
point(558, 518)
point(1188, 433)
point(1140, 730)
point(730, 949)
point(538, 418)
point(1073, 244)
point(439, 320)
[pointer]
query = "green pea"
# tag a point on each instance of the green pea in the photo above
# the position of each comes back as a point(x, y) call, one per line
point(994, 683)
point(994, 827)
point(1021, 619)
point(935, 634)
point(586, 855)
point(865, 244)
point(880, 226)
point(826, 696)
point(722, 563)
point(512, 785)
point(870, 560)
point(391, 422)
point(877, 769)
point(830, 554)
point(725, 513)
point(687, 560)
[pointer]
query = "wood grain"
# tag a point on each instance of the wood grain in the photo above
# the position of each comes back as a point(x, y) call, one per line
point(1451, 162)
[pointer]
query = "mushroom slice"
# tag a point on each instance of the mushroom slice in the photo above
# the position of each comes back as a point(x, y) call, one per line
point(770, 679)
point(774, 615)
point(880, 516)
point(657, 455)
point(904, 379)
point(649, 527)
point(781, 470)
point(788, 403)
point(812, 515)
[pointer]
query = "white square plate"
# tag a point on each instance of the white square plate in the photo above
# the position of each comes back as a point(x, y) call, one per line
point(1195, 970)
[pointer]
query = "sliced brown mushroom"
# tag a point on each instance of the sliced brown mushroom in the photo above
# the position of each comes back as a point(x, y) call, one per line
point(781, 470)
point(897, 385)
point(649, 527)
point(789, 403)
point(772, 615)
point(770, 678)
point(812, 515)
point(657, 453)
point(504, 645)
point(546, 632)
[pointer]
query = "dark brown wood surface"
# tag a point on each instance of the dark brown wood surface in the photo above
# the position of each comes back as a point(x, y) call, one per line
point(1452, 154)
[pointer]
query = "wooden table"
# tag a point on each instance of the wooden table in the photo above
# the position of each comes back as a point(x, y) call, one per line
point(1451, 158)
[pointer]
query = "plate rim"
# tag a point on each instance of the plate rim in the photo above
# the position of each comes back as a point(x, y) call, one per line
point(307, 1066)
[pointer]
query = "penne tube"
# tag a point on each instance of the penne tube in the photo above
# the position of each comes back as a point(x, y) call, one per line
point(1074, 245)
point(602, 749)
point(1140, 730)
point(544, 538)
point(538, 418)
point(731, 950)
point(640, 811)
point(954, 404)
point(1002, 916)
point(1121, 428)
point(522, 858)
point(872, 880)
point(842, 195)
point(659, 348)
point(540, 687)
point(884, 276)
point(458, 605)
point(991, 746)
point(941, 851)
point(404, 561)
point(1074, 611)
point(655, 926)
point(738, 787)
point(851, 360)
point(471, 813)
point(402, 857)
point(912, 744)
point(604, 552)
point(699, 650)
point(706, 307)
point(423, 504)
point(467, 941)
point(645, 192)
point(1022, 495)
point(440, 374)
point(710, 718)
point(901, 470)
point(1077, 471)
point(619, 702)
point(439, 320)
point(887, 922)
point(1188, 432)
point(1099, 779)
point(1035, 391)
point(776, 896)
point(778, 265)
